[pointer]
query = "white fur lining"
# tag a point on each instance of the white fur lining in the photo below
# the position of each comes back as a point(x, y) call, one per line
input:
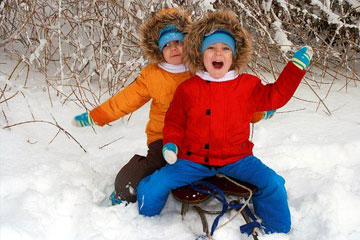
point(173, 68)
point(231, 75)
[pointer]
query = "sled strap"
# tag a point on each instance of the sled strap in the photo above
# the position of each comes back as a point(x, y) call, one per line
point(219, 195)
point(250, 226)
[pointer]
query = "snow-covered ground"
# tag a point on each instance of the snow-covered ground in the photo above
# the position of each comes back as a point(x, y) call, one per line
point(51, 189)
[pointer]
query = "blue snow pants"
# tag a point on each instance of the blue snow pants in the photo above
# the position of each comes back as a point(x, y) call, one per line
point(270, 200)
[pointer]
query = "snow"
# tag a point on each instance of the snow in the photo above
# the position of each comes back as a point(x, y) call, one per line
point(207, 4)
point(332, 17)
point(51, 189)
point(281, 37)
point(355, 4)
point(39, 49)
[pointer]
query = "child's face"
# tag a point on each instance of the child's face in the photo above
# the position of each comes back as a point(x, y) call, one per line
point(218, 59)
point(172, 52)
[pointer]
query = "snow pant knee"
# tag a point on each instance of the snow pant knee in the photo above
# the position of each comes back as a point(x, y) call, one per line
point(152, 198)
point(270, 200)
point(270, 204)
point(136, 169)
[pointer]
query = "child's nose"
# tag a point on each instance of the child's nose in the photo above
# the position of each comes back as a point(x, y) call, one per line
point(218, 52)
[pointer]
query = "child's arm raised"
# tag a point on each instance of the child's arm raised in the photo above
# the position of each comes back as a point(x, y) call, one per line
point(276, 95)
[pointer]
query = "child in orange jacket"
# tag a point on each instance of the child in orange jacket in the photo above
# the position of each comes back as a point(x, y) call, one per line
point(162, 42)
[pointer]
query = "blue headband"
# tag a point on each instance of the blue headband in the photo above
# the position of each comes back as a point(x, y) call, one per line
point(216, 36)
point(168, 34)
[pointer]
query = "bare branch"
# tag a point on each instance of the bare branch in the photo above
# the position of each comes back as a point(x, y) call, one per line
point(51, 123)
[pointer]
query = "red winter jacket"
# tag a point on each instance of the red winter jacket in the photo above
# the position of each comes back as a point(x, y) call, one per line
point(210, 121)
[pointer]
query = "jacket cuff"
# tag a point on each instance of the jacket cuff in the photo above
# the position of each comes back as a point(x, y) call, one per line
point(99, 116)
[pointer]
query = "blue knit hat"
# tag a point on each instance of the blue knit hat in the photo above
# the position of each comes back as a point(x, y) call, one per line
point(168, 34)
point(219, 35)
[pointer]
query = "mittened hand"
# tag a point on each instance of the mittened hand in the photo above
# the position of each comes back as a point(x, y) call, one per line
point(268, 114)
point(302, 57)
point(170, 151)
point(83, 120)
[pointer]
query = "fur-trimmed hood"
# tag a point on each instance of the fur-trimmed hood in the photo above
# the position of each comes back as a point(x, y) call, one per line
point(149, 31)
point(226, 20)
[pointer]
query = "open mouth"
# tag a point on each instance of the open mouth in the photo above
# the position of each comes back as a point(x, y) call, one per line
point(217, 65)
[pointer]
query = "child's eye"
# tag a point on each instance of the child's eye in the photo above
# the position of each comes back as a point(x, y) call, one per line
point(175, 43)
point(211, 48)
point(226, 48)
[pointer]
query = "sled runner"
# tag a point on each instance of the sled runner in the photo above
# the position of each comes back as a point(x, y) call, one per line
point(219, 187)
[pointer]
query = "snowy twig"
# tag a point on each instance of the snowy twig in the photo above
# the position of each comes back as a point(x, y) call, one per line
point(60, 48)
point(8, 98)
point(51, 123)
point(107, 144)
point(32, 115)
point(5, 117)
point(10, 76)
point(320, 100)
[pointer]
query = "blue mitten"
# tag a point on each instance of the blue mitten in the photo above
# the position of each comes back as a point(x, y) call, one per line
point(302, 57)
point(115, 200)
point(170, 151)
point(268, 114)
point(83, 120)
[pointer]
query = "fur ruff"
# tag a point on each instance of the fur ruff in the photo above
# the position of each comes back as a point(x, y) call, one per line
point(149, 31)
point(227, 20)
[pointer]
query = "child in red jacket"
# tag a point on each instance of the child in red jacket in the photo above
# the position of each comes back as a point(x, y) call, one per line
point(208, 123)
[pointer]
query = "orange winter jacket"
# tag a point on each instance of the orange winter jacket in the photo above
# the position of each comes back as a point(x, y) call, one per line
point(153, 83)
